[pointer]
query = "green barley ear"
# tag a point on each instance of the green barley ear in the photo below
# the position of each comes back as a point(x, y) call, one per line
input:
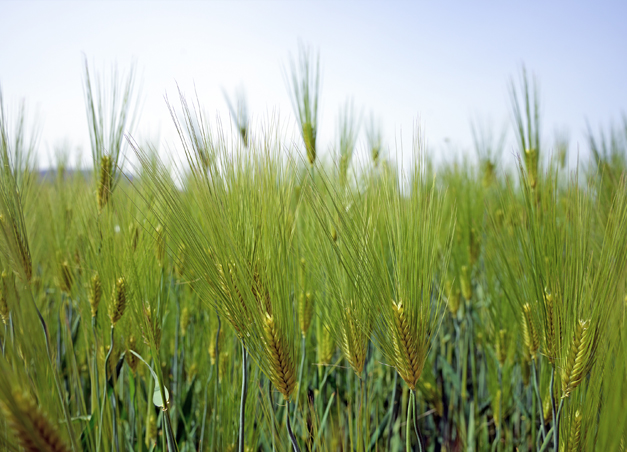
point(453, 296)
point(105, 181)
point(578, 357)
point(354, 341)
point(527, 122)
point(185, 318)
point(501, 346)
point(530, 333)
point(4, 296)
point(282, 372)
point(549, 332)
point(326, 345)
point(410, 356)
point(160, 244)
point(152, 332)
point(95, 294)
point(305, 311)
point(179, 264)
point(375, 142)
point(31, 427)
point(304, 84)
point(131, 359)
point(212, 345)
point(134, 234)
point(118, 304)
point(66, 279)
point(465, 283)
point(574, 442)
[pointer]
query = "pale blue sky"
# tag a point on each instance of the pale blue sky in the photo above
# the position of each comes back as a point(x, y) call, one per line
point(442, 62)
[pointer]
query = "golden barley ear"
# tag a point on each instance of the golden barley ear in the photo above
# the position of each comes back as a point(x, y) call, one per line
point(105, 181)
point(282, 371)
point(578, 357)
point(32, 429)
point(409, 353)
point(95, 294)
point(119, 301)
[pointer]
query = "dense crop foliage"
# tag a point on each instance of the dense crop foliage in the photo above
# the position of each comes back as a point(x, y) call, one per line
point(262, 300)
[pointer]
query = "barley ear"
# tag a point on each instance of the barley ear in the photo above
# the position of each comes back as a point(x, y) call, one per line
point(95, 294)
point(66, 279)
point(574, 442)
point(131, 359)
point(160, 245)
point(4, 296)
point(409, 356)
point(105, 181)
point(119, 301)
point(305, 311)
point(465, 283)
point(578, 356)
point(353, 343)
point(501, 346)
point(32, 429)
point(282, 372)
point(549, 331)
point(530, 334)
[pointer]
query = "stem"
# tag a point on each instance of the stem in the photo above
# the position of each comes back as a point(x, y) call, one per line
point(172, 447)
point(536, 387)
point(289, 430)
point(497, 439)
point(547, 441)
point(66, 411)
point(555, 420)
point(408, 426)
point(392, 406)
point(113, 420)
point(204, 413)
point(217, 385)
point(556, 427)
point(175, 360)
point(323, 422)
point(300, 376)
point(271, 413)
point(242, 405)
point(104, 393)
point(413, 397)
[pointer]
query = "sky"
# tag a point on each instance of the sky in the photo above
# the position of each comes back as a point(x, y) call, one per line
point(436, 64)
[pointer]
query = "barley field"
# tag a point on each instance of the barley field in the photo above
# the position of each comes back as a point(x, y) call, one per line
point(256, 297)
